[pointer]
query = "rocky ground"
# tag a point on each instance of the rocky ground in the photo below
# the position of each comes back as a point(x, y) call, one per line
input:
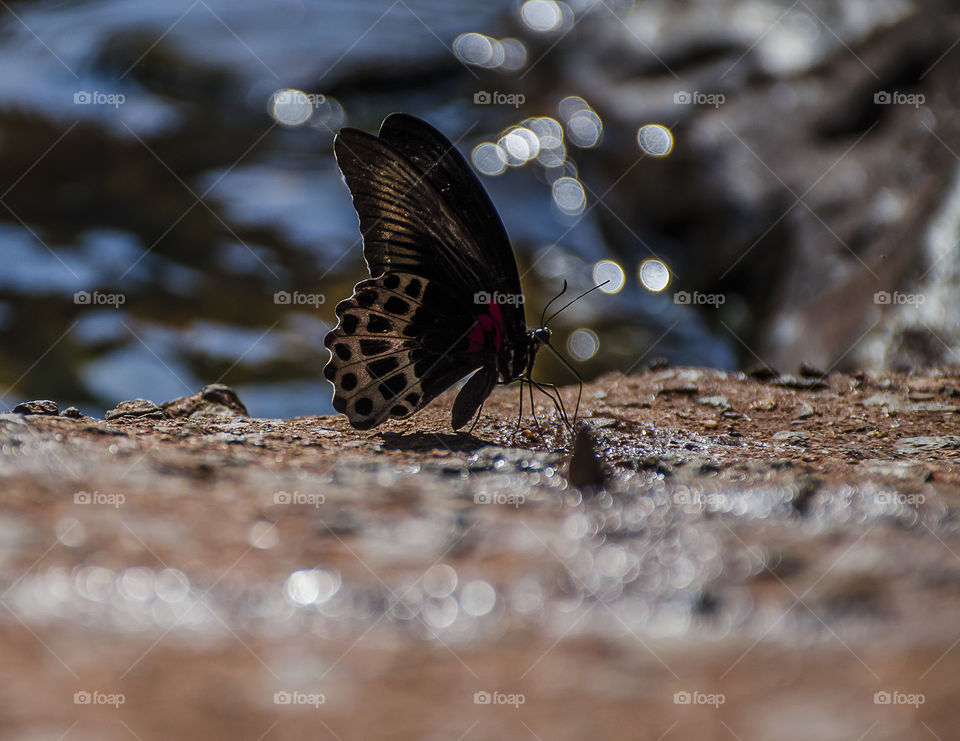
point(726, 556)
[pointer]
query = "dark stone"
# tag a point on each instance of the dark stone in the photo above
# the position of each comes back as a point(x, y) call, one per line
point(213, 400)
point(135, 408)
point(40, 406)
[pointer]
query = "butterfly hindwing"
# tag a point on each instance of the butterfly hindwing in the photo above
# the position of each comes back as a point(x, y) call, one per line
point(395, 348)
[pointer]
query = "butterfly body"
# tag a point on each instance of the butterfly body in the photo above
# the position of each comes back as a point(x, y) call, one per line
point(443, 299)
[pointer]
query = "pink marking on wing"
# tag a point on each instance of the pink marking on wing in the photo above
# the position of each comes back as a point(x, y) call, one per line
point(487, 325)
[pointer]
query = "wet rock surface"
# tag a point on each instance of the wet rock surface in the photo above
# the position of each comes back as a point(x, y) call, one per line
point(743, 556)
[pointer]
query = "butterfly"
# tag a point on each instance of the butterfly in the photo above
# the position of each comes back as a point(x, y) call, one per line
point(443, 299)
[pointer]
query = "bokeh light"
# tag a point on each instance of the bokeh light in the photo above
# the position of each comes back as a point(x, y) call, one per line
point(610, 272)
point(514, 54)
point(520, 145)
point(655, 140)
point(583, 344)
point(654, 275)
point(295, 108)
point(489, 158)
point(440, 581)
point(312, 586)
point(290, 107)
point(479, 50)
point(584, 128)
point(542, 15)
point(569, 195)
point(478, 598)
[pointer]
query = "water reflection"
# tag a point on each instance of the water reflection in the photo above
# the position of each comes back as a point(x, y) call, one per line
point(654, 275)
point(655, 140)
point(199, 182)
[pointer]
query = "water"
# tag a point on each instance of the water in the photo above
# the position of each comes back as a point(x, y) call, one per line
point(154, 209)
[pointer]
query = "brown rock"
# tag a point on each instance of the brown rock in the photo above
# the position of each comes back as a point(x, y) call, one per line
point(212, 401)
point(135, 408)
point(40, 406)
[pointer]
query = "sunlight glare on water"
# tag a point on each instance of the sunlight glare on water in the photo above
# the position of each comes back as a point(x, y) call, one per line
point(610, 272)
point(296, 108)
point(479, 50)
point(655, 140)
point(290, 107)
point(583, 125)
point(542, 15)
point(520, 146)
point(654, 275)
point(514, 54)
point(569, 195)
point(489, 158)
point(485, 51)
point(583, 344)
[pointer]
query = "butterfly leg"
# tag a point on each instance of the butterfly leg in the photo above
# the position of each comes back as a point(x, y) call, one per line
point(533, 408)
point(576, 375)
point(554, 397)
point(519, 414)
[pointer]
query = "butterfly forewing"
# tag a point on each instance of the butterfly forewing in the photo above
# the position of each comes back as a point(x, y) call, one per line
point(439, 162)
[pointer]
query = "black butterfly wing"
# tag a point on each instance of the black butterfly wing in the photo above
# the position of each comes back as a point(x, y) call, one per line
point(448, 172)
point(423, 215)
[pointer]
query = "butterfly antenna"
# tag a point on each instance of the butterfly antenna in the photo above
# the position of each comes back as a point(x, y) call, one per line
point(588, 291)
point(563, 291)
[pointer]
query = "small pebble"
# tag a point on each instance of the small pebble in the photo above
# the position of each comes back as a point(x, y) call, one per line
point(40, 406)
point(135, 408)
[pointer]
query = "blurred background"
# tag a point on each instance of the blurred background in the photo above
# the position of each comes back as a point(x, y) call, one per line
point(763, 182)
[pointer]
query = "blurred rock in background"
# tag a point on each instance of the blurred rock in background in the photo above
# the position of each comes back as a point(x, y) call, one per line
point(161, 229)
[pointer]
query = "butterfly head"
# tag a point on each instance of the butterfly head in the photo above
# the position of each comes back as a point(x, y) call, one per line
point(539, 336)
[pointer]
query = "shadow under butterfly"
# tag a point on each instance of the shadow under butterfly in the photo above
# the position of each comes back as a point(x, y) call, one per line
point(443, 298)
